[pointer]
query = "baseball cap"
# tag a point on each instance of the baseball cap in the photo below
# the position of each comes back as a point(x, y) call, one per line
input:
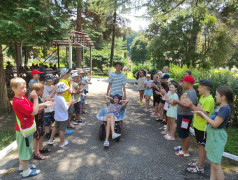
point(35, 72)
point(61, 87)
point(149, 75)
point(205, 82)
point(64, 71)
point(166, 76)
point(81, 71)
point(74, 75)
point(49, 77)
point(189, 79)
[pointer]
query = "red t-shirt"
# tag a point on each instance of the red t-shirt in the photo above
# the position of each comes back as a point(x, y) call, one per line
point(23, 109)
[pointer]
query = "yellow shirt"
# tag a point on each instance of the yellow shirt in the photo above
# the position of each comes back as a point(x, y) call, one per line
point(67, 96)
point(207, 104)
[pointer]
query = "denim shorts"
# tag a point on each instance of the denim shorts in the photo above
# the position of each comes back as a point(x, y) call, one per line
point(183, 133)
point(49, 118)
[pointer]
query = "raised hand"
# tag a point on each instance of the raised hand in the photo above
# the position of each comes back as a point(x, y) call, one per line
point(33, 94)
point(187, 101)
point(72, 101)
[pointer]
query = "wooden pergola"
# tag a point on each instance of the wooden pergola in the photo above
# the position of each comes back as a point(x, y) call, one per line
point(75, 39)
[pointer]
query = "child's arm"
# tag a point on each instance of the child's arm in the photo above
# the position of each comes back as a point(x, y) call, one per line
point(125, 102)
point(45, 104)
point(35, 102)
point(72, 101)
point(107, 98)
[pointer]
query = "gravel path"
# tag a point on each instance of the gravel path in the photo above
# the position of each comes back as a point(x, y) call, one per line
point(142, 153)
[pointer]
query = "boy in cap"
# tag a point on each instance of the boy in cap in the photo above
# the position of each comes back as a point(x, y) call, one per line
point(35, 77)
point(206, 104)
point(65, 76)
point(185, 115)
point(48, 95)
point(61, 113)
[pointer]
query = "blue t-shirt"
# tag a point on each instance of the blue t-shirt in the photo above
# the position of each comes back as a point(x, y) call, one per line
point(224, 112)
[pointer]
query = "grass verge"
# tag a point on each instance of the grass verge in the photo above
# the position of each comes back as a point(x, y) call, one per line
point(7, 136)
point(232, 143)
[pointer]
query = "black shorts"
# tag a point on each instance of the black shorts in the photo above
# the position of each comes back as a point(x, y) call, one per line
point(162, 101)
point(77, 107)
point(183, 133)
point(200, 137)
point(156, 99)
point(49, 118)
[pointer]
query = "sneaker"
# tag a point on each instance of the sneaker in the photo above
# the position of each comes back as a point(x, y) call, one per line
point(106, 143)
point(65, 144)
point(115, 135)
point(140, 103)
point(164, 132)
point(81, 122)
point(146, 110)
point(50, 142)
point(169, 138)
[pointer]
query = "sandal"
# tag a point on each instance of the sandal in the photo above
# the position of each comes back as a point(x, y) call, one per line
point(85, 112)
point(31, 166)
point(39, 157)
point(195, 170)
point(44, 150)
point(34, 172)
point(181, 154)
point(192, 164)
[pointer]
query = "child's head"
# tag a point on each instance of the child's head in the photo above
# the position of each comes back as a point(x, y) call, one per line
point(65, 73)
point(61, 88)
point(141, 73)
point(18, 86)
point(204, 86)
point(188, 82)
point(81, 72)
point(159, 74)
point(39, 88)
point(164, 88)
point(75, 77)
point(36, 74)
point(49, 79)
point(187, 73)
point(155, 78)
point(166, 69)
point(118, 66)
point(148, 77)
point(173, 87)
point(116, 99)
point(165, 78)
point(224, 93)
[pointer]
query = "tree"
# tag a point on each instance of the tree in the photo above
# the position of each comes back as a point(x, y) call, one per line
point(139, 50)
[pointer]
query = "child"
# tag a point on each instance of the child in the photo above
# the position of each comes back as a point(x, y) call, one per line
point(61, 114)
point(148, 91)
point(35, 77)
point(156, 98)
point(185, 115)
point(112, 115)
point(140, 76)
point(172, 111)
point(76, 96)
point(206, 102)
point(166, 71)
point(25, 112)
point(216, 134)
point(39, 118)
point(65, 76)
point(48, 95)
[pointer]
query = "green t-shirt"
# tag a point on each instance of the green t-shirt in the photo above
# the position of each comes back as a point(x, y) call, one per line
point(207, 104)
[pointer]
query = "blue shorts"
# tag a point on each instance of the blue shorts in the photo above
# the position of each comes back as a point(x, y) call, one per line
point(115, 114)
point(148, 92)
point(49, 118)
point(183, 133)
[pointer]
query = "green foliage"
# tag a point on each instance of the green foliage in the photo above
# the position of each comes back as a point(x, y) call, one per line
point(218, 77)
point(7, 136)
point(151, 70)
point(232, 143)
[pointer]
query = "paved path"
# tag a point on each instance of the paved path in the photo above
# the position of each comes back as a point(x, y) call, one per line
point(142, 153)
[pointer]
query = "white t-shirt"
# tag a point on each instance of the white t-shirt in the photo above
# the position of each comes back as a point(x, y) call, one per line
point(61, 109)
point(46, 93)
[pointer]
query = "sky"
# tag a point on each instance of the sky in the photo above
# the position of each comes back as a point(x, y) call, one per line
point(137, 23)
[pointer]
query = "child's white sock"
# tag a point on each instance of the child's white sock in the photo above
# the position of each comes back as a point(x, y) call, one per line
point(26, 172)
point(20, 168)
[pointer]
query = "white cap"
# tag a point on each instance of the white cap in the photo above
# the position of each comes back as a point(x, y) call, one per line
point(148, 75)
point(74, 75)
point(61, 87)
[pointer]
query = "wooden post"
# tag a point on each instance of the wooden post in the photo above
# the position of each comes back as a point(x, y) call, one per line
point(90, 58)
point(83, 58)
point(26, 57)
point(58, 56)
point(70, 53)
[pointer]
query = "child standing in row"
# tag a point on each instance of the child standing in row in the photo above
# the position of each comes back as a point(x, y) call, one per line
point(156, 98)
point(140, 76)
point(35, 77)
point(148, 91)
point(61, 113)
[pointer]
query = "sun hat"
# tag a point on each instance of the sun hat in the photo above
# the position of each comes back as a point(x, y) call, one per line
point(64, 71)
point(74, 75)
point(149, 75)
point(189, 79)
point(205, 82)
point(35, 72)
point(49, 77)
point(81, 71)
point(61, 87)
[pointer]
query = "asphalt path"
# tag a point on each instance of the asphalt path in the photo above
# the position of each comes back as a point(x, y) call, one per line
point(142, 153)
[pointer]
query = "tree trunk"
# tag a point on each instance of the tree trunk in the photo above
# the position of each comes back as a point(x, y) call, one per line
point(113, 39)
point(78, 28)
point(26, 57)
point(4, 103)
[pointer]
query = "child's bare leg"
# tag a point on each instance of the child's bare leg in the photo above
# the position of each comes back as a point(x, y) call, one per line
point(61, 134)
point(141, 93)
point(108, 128)
point(54, 131)
point(47, 129)
point(172, 127)
point(41, 143)
point(25, 164)
point(36, 146)
point(112, 124)
point(156, 109)
point(168, 126)
point(78, 117)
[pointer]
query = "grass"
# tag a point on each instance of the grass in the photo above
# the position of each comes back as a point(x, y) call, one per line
point(7, 136)
point(232, 142)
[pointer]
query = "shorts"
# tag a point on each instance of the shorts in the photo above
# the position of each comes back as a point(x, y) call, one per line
point(200, 137)
point(148, 92)
point(71, 109)
point(141, 90)
point(77, 107)
point(162, 101)
point(61, 125)
point(24, 152)
point(165, 115)
point(156, 99)
point(39, 132)
point(49, 118)
point(183, 133)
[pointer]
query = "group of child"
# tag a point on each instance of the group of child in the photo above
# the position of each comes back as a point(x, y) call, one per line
point(208, 123)
point(49, 102)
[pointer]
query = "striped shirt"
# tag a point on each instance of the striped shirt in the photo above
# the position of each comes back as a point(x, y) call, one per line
point(117, 81)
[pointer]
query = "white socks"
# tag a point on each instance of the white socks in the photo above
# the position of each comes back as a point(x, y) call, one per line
point(26, 172)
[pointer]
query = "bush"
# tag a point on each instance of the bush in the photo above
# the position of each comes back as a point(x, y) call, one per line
point(218, 77)
point(151, 70)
